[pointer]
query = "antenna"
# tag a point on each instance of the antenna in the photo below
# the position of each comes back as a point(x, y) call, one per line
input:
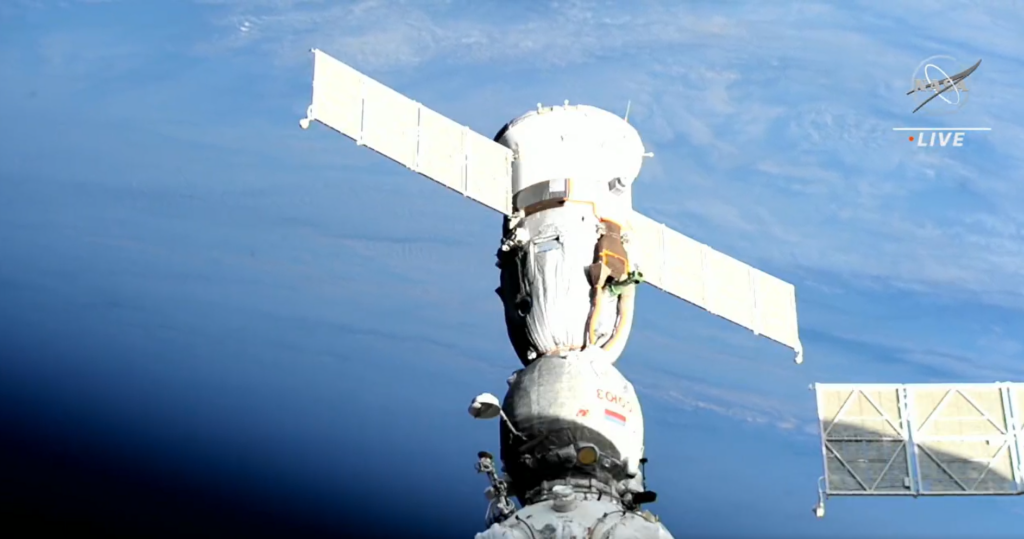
point(626, 117)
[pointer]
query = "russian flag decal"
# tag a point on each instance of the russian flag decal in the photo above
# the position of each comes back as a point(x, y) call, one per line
point(615, 417)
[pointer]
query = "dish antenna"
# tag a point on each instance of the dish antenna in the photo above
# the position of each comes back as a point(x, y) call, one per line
point(485, 406)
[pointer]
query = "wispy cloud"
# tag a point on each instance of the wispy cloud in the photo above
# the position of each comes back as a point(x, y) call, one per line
point(771, 124)
point(387, 35)
point(689, 396)
point(777, 151)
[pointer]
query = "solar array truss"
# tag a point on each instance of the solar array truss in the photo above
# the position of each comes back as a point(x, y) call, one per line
point(921, 439)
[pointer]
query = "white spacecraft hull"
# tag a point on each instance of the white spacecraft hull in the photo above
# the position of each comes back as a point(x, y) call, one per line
point(572, 419)
point(573, 424)
point(585, 516)
point(573, 250)
point(572, 196)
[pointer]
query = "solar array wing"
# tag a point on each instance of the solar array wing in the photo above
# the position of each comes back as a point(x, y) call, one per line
point(715, 282)
point(921, 439)
point(405, 131)
point(451, 154)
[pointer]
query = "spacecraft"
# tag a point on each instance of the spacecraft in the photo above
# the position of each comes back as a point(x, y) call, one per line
point(572, 252)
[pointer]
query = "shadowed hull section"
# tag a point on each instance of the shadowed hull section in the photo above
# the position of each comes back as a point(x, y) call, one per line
point(550, 453)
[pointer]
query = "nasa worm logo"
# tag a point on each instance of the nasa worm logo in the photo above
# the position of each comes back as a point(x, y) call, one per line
point(943, 93)
point(933, 85)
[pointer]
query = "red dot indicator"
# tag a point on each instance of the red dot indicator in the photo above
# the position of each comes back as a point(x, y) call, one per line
point(911, 139)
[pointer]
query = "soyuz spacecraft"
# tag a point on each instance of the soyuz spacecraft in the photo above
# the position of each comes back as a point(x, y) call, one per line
point(571, 255)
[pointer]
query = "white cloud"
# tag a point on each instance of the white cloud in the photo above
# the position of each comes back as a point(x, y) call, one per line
point(385, 35)
point(773, 139)
point(729, 98)
point(773, 143)
point(688, 396)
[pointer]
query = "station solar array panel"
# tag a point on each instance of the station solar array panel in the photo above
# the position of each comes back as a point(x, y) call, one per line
point(921, 439)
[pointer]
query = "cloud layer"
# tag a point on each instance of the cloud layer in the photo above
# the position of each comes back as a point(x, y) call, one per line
point(777, 151)
point(771, 124)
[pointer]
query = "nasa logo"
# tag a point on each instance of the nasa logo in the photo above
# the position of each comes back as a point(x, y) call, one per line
point(930, 81)
point(933, 85)
point(615, 398)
